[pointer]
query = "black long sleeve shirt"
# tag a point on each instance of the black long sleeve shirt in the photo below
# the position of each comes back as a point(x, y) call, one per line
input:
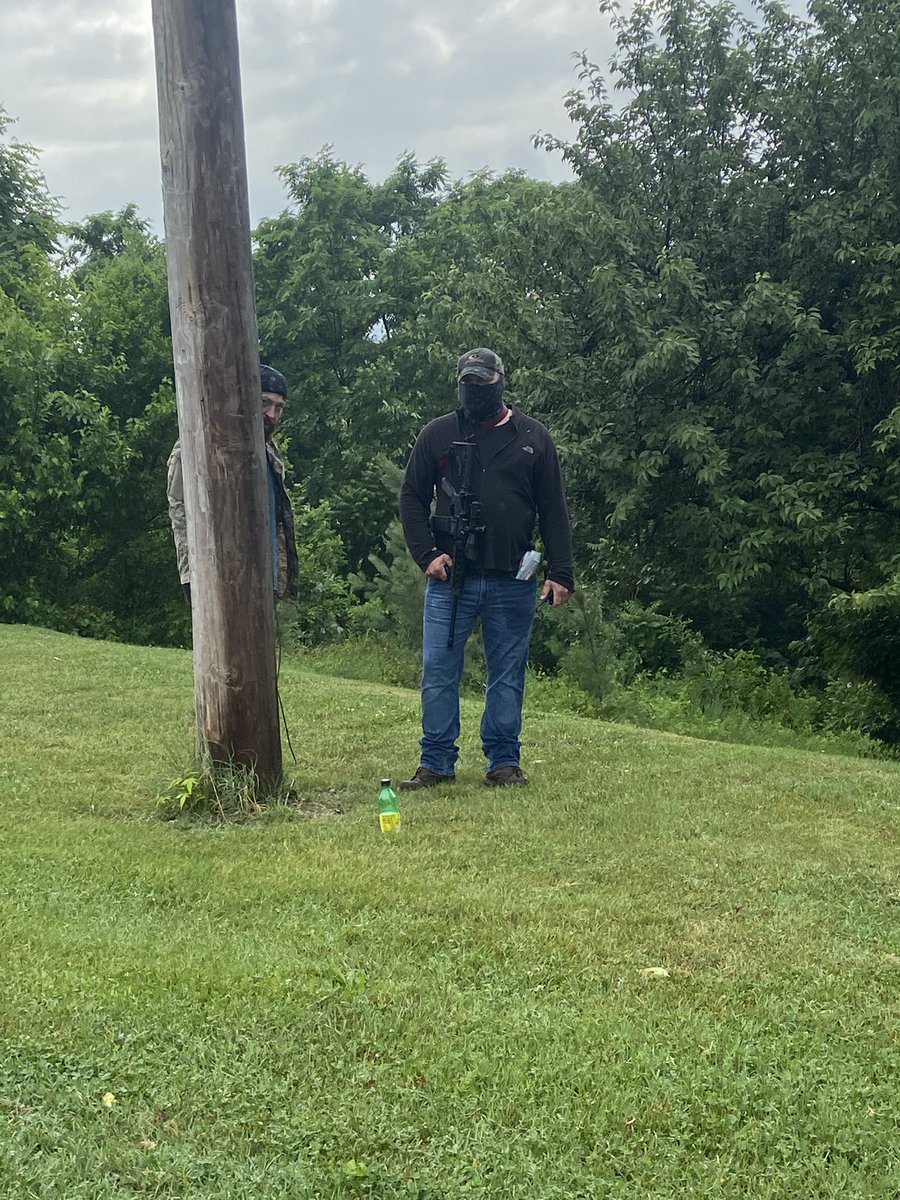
point(516, 477)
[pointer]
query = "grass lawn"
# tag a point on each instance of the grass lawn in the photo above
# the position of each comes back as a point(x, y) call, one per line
point(668, 968)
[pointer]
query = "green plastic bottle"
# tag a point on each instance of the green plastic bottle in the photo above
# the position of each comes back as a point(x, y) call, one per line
point(388, 808)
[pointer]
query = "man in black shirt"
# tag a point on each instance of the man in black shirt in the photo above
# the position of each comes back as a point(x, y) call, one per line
point(516, 478)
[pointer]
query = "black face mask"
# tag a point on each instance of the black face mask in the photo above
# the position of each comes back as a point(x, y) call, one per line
point(481, 401)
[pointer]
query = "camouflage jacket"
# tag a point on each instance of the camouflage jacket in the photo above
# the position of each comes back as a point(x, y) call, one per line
point(284, 520)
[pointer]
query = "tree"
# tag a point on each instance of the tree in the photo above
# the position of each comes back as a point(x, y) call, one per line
point(750, 355)
point(55, 443)
point(86, 417)
point(330, 301)
point(120, 355)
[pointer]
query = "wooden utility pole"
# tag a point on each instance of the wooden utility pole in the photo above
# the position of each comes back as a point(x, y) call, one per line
point(207, 223)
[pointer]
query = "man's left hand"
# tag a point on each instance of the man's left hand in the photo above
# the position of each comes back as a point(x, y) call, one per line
point(555, 591)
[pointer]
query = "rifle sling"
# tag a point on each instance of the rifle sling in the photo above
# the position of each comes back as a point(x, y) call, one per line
point(475, 436)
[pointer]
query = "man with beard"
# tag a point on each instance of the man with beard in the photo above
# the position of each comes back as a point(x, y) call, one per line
point(515, 477)
point(281, 518)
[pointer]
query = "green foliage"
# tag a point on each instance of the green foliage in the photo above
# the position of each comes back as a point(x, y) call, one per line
point(601, 647)
point(84, 536)
point(391, 609)
point(739, 682)
point(329, 303)
point(59, 453)
point(589, 656)
point(848, 706)
point(393, 597)
point(707, 317)
point(725, 418)
point(858, 638)
point(736, 698)
point(642, 666)
point(220, 792)
point(122, 358)
point(28, 225)
point(320, 612)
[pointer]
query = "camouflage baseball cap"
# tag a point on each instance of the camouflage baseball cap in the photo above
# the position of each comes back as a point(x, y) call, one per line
point(481, 362)
point(272, 381)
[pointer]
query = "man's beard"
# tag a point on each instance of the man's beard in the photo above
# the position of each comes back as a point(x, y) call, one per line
point(481, 401)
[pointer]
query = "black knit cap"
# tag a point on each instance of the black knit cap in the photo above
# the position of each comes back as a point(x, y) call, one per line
point(480, 362)
point(272, 381)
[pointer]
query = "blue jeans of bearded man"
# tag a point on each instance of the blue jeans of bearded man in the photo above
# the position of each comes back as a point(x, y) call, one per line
point(506, 607)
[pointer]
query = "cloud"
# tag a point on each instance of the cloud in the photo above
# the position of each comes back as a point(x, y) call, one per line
point(467, 80)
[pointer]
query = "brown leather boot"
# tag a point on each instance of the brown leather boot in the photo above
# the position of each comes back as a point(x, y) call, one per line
point(506, 777)
point(424, 778)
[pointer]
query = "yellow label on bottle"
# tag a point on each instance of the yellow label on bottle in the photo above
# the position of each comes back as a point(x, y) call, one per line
point(389, 822)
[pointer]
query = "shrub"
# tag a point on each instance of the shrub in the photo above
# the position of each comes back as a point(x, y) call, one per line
point(390, 609)
point(858, 638)
point(220, 792)
point(320, 614)
point(601, 650)
point(391, 599)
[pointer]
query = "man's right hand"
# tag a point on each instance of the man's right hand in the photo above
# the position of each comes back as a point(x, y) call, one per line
point(439, 568)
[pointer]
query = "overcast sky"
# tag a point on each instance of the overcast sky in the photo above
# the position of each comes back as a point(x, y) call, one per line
point(467, 80)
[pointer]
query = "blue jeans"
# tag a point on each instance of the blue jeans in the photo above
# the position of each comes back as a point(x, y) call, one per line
point(506, 607)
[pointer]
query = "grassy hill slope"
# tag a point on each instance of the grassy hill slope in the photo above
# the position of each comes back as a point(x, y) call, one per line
point(667, 968)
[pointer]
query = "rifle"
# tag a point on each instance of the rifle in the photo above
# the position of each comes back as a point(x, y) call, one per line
point(465, 517)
